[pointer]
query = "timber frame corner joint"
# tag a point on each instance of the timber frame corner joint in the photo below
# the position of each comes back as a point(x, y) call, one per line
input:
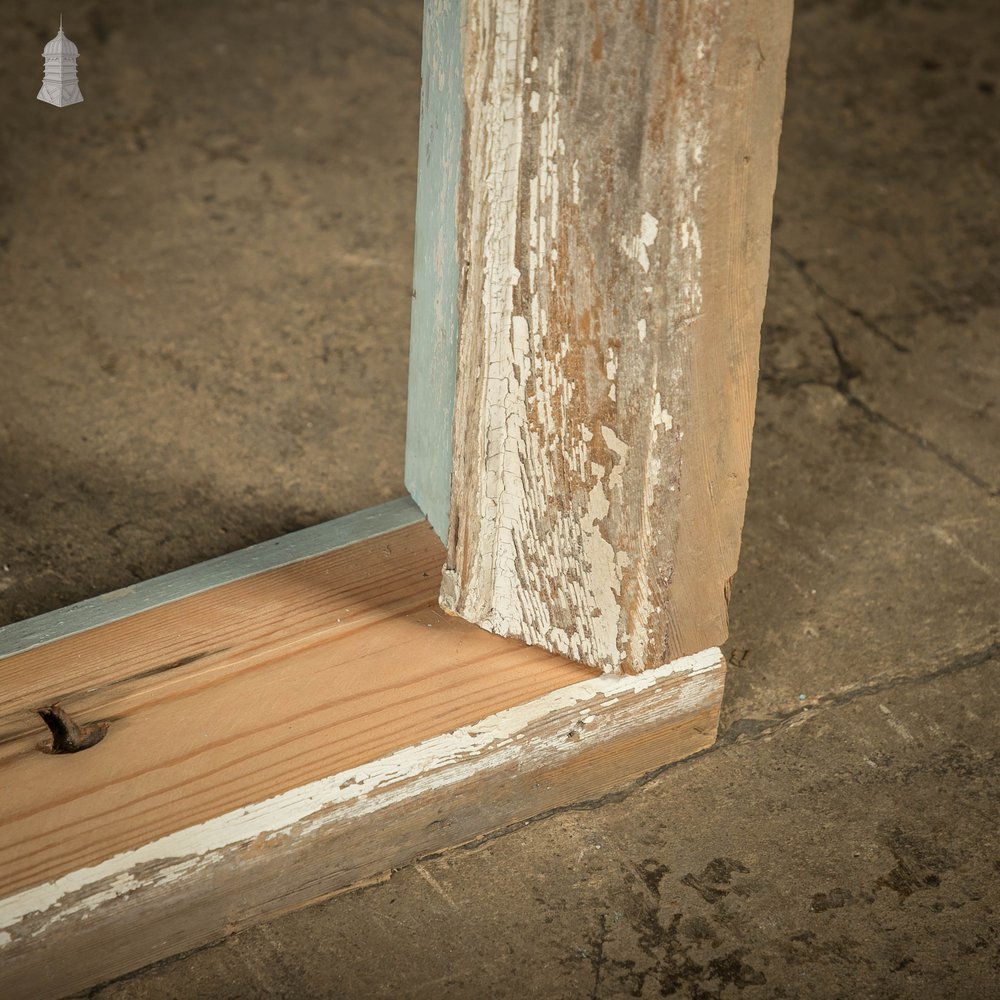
point(592, 234)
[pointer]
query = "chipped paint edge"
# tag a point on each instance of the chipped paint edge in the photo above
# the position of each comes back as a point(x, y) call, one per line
point(432, 764)
point(518, 439)
point(494, 88)
point(294, 547)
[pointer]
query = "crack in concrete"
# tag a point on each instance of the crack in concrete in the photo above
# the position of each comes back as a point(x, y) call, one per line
point(847, 372)
point(922, 442)
point(743, 730)
point(802, 268)
point(846, 369)
point(597, 960)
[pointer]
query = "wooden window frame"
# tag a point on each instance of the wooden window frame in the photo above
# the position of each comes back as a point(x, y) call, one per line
point(290, 720)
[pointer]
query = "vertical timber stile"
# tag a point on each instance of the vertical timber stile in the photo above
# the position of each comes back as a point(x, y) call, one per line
point(614, 210)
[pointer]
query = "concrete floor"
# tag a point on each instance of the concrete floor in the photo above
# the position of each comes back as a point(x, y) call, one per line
point(205, 275)
point(230, 251)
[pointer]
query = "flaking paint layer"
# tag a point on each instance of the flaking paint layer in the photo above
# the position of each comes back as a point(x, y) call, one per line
point(584, 279)
point(451, 757)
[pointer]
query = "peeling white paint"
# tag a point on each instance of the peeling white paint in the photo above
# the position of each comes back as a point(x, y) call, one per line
point(497, 123)
point(519, 331)
point(620, 449)
point(526, 431)
point(611, 370)
point(637, 247)
point(661, 416)
point(529, 442)
point(408, 773)
point(680, 263)
point(690, 237)
point(604, 575)
point(649, 227)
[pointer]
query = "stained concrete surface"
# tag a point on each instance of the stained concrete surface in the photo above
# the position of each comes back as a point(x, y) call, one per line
point(205, 275)
point(841, 838)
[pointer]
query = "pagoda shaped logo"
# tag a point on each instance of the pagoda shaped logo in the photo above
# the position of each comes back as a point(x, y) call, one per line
point(60, 86)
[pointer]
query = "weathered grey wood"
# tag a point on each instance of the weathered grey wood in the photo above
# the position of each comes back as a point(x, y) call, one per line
point(617, 180)
point(434, 319)
point(120, 604)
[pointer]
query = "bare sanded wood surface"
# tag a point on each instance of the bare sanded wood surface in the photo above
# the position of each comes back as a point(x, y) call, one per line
point(201, 883)
point(615, 206)
point(240, 693)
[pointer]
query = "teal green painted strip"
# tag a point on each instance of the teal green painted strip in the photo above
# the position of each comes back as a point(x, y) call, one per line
point(161, 590)
point(434, 317)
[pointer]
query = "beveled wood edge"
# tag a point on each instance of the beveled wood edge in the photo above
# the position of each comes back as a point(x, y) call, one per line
point(430, 398)
point(298, 545)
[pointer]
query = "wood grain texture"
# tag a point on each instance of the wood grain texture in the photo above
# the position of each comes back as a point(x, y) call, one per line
point(239, 565)
point(204, 882)
point(241, 693)
point(617, 180)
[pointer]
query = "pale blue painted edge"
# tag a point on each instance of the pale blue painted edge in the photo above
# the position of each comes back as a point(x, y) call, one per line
point(309, 542)
point(434, 314)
